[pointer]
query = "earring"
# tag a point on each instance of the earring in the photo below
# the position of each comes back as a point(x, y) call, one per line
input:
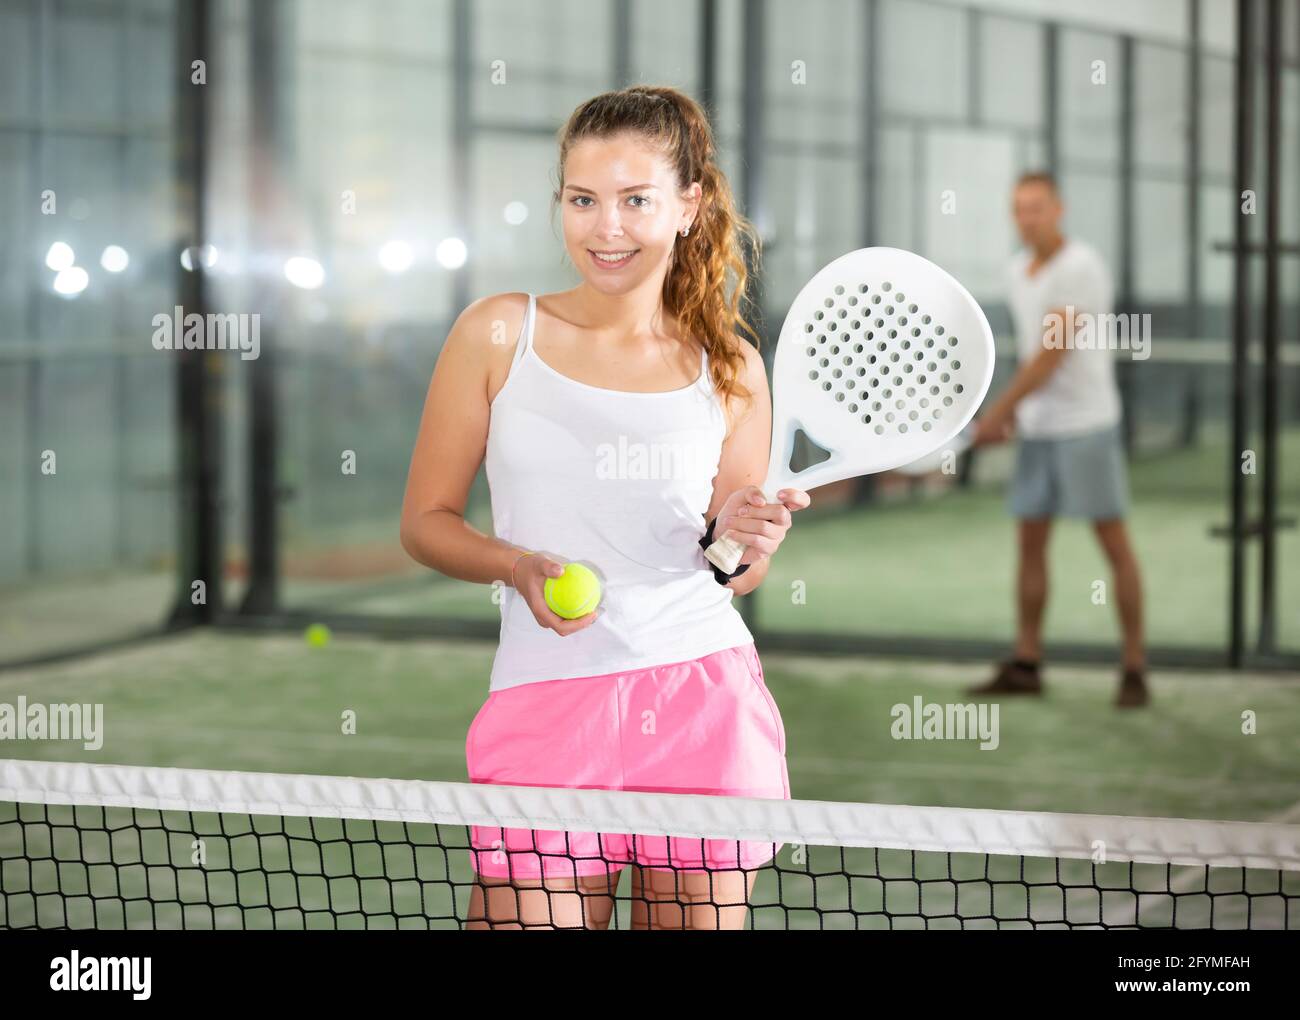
point(685, 231)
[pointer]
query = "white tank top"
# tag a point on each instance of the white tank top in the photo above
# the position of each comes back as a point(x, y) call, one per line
point(621, 482)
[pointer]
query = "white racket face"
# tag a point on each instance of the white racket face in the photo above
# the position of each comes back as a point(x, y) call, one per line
point(883, 358)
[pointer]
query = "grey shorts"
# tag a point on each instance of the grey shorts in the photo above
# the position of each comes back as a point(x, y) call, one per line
point(1076, 476)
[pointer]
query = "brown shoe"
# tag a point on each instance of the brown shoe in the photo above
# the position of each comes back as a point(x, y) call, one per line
point(1012, 677)
point(1132, 690)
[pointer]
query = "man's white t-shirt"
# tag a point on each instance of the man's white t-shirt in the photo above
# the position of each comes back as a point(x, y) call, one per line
point(1080, 395)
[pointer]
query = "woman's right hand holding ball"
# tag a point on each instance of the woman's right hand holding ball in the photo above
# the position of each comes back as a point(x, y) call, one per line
point(529, 575)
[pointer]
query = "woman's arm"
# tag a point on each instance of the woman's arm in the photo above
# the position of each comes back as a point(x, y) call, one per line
point(450, 446)
point(751, 578)
point(744, 458)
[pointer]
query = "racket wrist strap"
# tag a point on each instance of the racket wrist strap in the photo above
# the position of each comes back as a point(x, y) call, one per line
point(718, 575)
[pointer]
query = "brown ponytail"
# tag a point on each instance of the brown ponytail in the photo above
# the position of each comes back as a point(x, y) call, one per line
point(695, 288)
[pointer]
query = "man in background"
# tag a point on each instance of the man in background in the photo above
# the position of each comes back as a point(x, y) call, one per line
point(1065, 407)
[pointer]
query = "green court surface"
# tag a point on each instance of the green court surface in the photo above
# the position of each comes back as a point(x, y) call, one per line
point(273, 704)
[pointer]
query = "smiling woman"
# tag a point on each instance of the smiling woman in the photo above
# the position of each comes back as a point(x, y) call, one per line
point(658, 687)
point(643, 198)
point(638, 198)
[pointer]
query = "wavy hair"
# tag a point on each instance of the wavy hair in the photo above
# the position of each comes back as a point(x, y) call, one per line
point(696, 288)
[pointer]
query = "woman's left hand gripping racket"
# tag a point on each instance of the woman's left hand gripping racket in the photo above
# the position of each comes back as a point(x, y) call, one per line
point(883, 359)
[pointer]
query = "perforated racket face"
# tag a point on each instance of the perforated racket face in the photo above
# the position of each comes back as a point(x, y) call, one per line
point(883, 357)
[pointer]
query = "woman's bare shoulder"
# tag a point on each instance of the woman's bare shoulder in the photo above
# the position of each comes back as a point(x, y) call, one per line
point(495, 320)
point(481, 342)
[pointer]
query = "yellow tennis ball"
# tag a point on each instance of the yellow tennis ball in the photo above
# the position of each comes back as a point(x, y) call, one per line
point(317, 635)
point(574, 593)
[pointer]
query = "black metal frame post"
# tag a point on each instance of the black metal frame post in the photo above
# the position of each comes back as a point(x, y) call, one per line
point(864, 489)
point(270, 130)
point(41, 41)
point(198, 397)
point(753, 173)
point(1272, 377)
point(1240, 335)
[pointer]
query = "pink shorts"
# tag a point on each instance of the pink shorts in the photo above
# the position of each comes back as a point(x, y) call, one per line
point(705, 726)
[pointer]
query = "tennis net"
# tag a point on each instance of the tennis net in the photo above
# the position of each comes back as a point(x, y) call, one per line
point(108, 846)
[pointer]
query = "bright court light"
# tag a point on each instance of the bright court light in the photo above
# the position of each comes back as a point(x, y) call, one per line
point(205, 254)
point(114, 258)
point(304, 272)
point(515, 213)
point(60, 256)
point(396, 256)
point(451, 253)
point(71, 281)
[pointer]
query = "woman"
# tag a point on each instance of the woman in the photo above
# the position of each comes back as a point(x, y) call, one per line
point(612, 416)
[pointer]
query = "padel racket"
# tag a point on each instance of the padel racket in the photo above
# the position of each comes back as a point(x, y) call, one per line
point(932, 462)
point(883, 358)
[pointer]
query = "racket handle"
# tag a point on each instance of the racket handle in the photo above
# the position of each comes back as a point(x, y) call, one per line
point(725, 554)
